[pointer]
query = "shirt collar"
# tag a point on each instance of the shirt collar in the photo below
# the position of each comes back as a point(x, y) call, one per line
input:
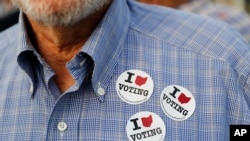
point(26, 50)
point(104, 45)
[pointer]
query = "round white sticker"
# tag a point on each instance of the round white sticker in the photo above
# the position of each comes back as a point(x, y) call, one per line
point(146, 126)
point(177, 102)
point(134, 86)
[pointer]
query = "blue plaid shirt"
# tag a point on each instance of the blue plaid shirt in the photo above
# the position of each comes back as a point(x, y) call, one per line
point(204, 56)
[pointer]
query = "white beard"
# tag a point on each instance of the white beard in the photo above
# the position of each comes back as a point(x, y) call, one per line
point(61, 12)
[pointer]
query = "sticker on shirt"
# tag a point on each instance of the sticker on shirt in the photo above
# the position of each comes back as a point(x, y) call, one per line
point(146, 126)
point(177, 102)
point(134, 86)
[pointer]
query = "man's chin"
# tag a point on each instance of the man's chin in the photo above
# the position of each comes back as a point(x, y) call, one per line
point(55, 20)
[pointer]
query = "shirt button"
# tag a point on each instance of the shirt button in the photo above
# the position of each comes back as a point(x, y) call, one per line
point(62, 126)
point(101, 91)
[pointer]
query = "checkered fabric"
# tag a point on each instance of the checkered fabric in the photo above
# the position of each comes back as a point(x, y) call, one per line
point(206, 57)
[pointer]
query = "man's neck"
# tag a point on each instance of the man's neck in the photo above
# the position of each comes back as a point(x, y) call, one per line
point(58, 45)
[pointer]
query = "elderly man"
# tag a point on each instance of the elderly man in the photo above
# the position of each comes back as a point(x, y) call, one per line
point(115, 70)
